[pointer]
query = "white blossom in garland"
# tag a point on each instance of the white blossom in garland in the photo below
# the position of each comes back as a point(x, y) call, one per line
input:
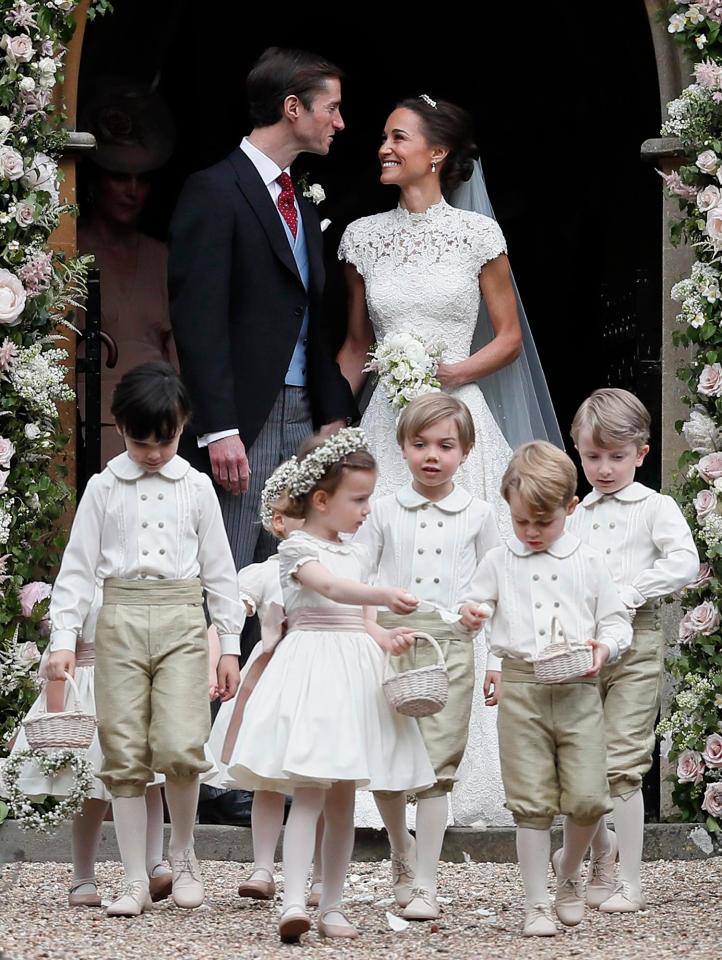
point(274, 488)
point(39, 378)
point(307, 472)
point(29, 816)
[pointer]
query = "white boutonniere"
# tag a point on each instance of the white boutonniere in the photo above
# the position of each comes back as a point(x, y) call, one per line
point(315, 192)
point(312, 191)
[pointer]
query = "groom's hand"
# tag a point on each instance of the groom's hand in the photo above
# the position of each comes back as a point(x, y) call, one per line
point(328, 429)
point(229, 464)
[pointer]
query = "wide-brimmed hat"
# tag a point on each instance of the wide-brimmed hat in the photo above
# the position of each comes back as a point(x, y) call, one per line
point(132, 126)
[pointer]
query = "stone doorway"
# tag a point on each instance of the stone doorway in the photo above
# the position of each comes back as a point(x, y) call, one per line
point(560, 117)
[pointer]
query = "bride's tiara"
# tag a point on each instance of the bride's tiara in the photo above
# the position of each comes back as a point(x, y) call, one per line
point(427, 99)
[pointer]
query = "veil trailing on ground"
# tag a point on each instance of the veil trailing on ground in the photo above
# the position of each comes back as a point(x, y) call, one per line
point(517, 395)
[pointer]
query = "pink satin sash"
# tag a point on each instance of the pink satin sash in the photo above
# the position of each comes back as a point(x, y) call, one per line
point(321, 618)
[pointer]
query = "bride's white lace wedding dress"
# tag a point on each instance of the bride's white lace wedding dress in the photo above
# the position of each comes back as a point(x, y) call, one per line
point(421, 273)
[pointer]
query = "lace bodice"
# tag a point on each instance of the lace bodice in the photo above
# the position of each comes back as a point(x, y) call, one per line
point(421, 270)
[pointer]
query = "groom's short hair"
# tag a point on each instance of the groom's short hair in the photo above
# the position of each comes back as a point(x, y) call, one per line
point(279, 73)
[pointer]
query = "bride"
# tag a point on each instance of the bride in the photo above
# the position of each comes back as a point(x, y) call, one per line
point(427, 267)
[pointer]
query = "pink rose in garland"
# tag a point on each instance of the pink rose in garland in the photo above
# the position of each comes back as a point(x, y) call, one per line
point(704, 619)
point(710, 380)
point(32, 594)
point(712, 802)
point(690, 768)
point(712, 753)
point(705, 503)
point(710, 467)
point(704, 576)
point(12, 298)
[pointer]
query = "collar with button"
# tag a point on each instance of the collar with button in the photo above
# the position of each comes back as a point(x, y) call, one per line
point(458, 500)
point(629, 494)
point(124, 468)
point(565, 546)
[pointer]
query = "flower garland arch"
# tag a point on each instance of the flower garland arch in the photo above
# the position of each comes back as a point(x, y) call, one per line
point(39, 289)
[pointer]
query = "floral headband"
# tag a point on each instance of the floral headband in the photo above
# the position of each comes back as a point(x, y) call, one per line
point(307, 472)
point(274, 488)
point(427, 99)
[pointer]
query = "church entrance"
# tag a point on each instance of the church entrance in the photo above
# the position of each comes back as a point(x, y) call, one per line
point(560, 115)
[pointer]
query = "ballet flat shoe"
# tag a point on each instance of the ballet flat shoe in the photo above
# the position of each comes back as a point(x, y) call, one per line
point(336, 930)
point(256, 888)
point(293, 924)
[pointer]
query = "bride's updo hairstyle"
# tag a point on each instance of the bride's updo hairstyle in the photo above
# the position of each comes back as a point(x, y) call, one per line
point(449, 126)
point(321, 465)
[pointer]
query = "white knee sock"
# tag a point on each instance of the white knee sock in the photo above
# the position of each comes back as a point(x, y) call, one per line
point(576, 843)
point(392, 807)
point(317, 875)
point(298, 841)
point(629, 825)
point(85, 836)
point(532, 849)
point(601, 844)
point(266, 823)
point(431, 816)
point(338, 837)
point(154, 829)
point(130, 828)
point(182, 799)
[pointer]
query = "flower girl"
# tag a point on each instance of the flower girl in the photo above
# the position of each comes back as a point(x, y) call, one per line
point(317, 724)
point(259, 587)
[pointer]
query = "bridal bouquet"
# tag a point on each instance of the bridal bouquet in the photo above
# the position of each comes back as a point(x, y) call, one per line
point(406, 366)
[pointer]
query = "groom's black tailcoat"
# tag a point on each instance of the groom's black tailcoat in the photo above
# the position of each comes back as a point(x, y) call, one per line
point(237, 303)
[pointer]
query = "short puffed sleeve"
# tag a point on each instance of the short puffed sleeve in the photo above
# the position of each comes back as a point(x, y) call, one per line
point(251, 584)
point(351, 247)
point(487, 241)
point(294, 552)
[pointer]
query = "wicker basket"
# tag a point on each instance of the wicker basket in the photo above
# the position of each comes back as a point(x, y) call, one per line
point(562, 660)
point(420, 692)
point(70, 730)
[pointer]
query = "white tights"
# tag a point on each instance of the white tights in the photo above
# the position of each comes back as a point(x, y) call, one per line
point(629, 827)
point(337, 805)
point(431, 818)
point(139, 826)
point(533, 848)
point(87, 828)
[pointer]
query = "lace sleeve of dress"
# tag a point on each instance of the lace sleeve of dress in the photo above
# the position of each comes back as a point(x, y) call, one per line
point(293, 553)
point(349, 248)
point(489, 241)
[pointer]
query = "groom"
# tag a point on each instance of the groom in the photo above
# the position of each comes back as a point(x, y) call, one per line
point(246, 280)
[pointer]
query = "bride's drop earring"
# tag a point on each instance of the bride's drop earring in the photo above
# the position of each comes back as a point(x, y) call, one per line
point(433, 166)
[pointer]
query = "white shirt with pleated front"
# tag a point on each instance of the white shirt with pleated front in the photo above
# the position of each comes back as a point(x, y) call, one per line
point(527, 590)
point(431, 548)
point(145, 526)
point(644, 539)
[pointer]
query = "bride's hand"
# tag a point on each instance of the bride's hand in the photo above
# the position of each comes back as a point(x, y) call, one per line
point(449, 375)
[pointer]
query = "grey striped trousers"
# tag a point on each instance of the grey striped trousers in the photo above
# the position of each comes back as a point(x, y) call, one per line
point(288, 424)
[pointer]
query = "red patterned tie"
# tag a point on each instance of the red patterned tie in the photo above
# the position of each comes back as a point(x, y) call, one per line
point(287, 203)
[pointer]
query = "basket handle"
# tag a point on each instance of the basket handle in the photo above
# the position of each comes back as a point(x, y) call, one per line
point(418, 635)
point(76, 692)
point(556, 630)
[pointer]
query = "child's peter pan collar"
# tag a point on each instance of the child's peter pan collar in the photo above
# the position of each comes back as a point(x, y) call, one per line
point(629, 494)
point(561, 548)
point(124, 468)
point(458, 500)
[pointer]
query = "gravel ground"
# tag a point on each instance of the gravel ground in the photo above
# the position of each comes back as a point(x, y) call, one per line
point(481, 918)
